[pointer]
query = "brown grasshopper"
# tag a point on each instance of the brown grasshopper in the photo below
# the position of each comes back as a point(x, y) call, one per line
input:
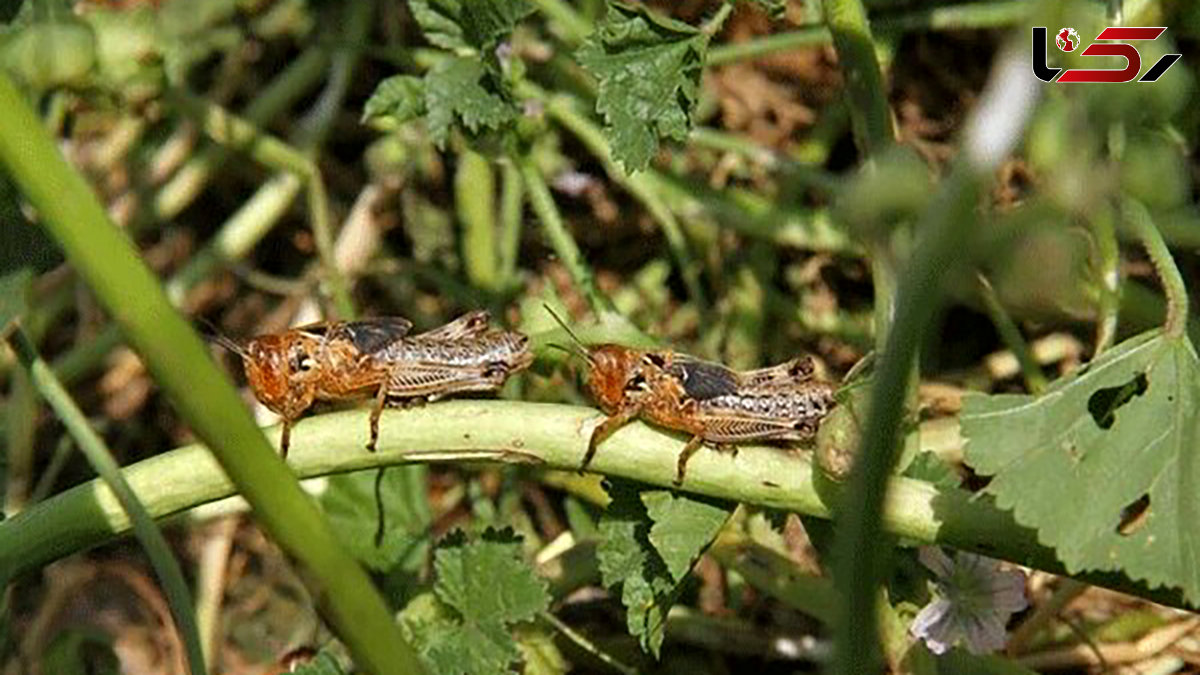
point(340, 360)
point(715, 404)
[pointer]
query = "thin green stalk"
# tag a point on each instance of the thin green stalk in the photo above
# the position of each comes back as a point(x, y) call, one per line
point(474, 199)
point(641, 185)
point(866, 96)
point(189, 181)
point(512, 202)
point(713, 25)
point(542, 435)
point(1010, 334)
point(240, 134)
point(322, 227)
point(974, 15)
point(560, 240)
point(1138, 218)
point(238, 235)
point(586, 645)
point(166, 567)
point(573, 27)
point(1108, 274)
point(180, 363)
point(813, 36)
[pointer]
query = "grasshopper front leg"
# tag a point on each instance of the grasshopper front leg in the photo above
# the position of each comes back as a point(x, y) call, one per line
point(607, 427)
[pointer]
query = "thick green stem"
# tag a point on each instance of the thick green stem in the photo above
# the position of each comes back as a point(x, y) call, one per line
point(860, 552)
point(512, 202)
point(180, 363)
point(100, 457)
point(542, 435)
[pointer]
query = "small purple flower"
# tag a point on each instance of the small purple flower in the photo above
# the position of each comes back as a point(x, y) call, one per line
point(973, 601)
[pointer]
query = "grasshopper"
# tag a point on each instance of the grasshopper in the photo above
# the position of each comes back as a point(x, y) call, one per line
point(715, 404)
point(341, 360)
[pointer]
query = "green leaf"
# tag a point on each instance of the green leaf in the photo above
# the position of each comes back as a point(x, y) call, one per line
point(930, 468)
point(468, 24)
point(488, 580)
point(484, 587)
point(628, 559)
point(683, 527)
point(1116, 439)
point(774, 8)
point(398, 99)
point(439, 21)
point(462, 89)
point(648, 68)
point(487, 23)
point(323, 664)
point(349, 503)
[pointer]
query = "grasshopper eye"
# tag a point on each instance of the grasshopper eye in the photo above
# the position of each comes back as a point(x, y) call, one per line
point(301, 361)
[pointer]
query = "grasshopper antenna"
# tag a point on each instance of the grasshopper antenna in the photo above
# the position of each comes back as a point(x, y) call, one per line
point(212, 334)
point(582, 350)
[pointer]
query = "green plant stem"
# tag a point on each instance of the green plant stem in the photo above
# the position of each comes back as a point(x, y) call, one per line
point(189, 181)
point(322, 227)
point(542, 435)
point(866, 97)
point(166, 567)
point(179, 362)
point(973, 15)
point(860, 550)
point(641, 185)
point(713, 25)
point(512, 202)
point(474, 199)
point(857, 560)
point(1108, 275)
point(560, 240)
point(1010, 334)
point(1135, 215)
point(573, 26)
point(239, 234)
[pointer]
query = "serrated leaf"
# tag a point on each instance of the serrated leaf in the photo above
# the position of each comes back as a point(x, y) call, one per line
point(323, 664)
point(398, 99)
point(628, 559)
point(1121, 431)
point(468, 24)
point(461, 89)
point(483, 587)
point(683, 527)
point(487, 23)
point(439, 21)
point(648, 68)
point(349, 503)
point(472, 649)
point(487, 580)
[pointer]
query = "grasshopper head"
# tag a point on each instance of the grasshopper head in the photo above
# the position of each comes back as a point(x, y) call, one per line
point(282, 372)
point(614, 372)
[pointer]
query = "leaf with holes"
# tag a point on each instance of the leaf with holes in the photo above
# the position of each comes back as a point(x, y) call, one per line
point(1104, 464)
